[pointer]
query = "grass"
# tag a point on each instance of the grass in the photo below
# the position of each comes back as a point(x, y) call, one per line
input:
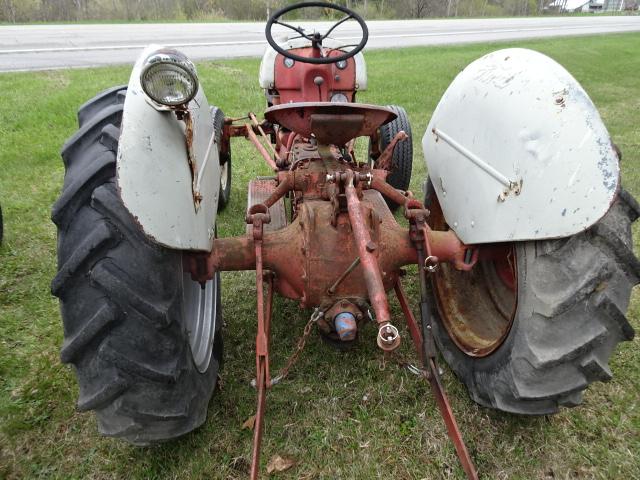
point(340, 415)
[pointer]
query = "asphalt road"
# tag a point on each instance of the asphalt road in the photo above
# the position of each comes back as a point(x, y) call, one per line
point(40, 47)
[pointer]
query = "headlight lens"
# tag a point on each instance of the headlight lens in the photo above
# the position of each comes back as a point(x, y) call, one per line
point(169, 78)
point(342, 64)
point(339, 98)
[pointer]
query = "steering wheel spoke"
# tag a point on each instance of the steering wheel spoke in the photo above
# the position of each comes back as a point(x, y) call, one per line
point(296, 29)
point(336, 25)
point(343, 46)
point(316, 39)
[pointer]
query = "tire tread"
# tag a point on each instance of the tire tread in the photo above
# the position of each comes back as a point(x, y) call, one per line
point(570, 324)
point(121, 309)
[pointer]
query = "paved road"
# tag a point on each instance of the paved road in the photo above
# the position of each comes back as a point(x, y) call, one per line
point(39, 47)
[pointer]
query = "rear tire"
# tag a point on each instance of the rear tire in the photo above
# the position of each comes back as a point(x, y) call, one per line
point(572, 295)
point(111, 96)
point(144, 339)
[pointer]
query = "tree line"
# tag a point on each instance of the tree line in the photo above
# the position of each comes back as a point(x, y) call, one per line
point(19, 11)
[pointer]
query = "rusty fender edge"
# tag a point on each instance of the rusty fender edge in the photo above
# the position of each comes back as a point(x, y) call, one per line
point(155, 178)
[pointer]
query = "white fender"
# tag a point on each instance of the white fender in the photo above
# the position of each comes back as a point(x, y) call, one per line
point(153, 173)
point(516, 150)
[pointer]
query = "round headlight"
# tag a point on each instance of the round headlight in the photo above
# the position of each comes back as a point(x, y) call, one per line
point(342, 64)
point(339, 98)
point(169, 78)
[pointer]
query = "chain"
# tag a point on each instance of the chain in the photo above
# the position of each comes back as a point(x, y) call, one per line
point(317, 314)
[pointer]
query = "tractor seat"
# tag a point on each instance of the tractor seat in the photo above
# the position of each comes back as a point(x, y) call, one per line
point(329, 122)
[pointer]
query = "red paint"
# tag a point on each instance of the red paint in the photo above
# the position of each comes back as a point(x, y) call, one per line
point(296, 84)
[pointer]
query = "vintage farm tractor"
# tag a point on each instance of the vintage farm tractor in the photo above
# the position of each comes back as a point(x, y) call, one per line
point(522, 245)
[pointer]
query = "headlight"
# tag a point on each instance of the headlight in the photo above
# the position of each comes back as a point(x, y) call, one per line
point(339, 98)
point(342, 64)
point(169, 78)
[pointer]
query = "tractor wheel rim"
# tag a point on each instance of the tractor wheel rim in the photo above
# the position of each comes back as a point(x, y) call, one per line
point(199, 308)
point(224, 173)
point(478, 308)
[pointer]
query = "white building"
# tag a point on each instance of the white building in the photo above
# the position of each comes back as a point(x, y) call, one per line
point(587, 5)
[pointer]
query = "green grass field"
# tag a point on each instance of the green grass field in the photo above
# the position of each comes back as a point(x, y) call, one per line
point(340, 415)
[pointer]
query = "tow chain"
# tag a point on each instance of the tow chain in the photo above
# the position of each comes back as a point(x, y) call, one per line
point(284, 372)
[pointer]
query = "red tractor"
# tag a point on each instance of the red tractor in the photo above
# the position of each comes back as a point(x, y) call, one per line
point(522, 244)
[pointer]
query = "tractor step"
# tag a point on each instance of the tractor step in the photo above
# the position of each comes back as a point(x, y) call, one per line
point(259, 191)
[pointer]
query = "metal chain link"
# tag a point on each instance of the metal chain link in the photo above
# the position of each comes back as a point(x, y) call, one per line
point(315, 316)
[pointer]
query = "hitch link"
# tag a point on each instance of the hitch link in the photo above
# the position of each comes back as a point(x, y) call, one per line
point(424, 341)
point(258, 215)
point(388, 335)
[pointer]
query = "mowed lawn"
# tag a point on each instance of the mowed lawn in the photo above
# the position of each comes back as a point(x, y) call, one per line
point(339, 415)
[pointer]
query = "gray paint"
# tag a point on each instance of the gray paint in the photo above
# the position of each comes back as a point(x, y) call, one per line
point(520, 114)
point(153, 173)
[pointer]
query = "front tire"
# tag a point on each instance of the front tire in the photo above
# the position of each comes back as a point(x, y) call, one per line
point(558, 332)
point(224, 195)
point(144, 339)
point(400, 175)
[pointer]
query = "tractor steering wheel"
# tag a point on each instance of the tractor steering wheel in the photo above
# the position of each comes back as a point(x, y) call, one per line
point(317, 38)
